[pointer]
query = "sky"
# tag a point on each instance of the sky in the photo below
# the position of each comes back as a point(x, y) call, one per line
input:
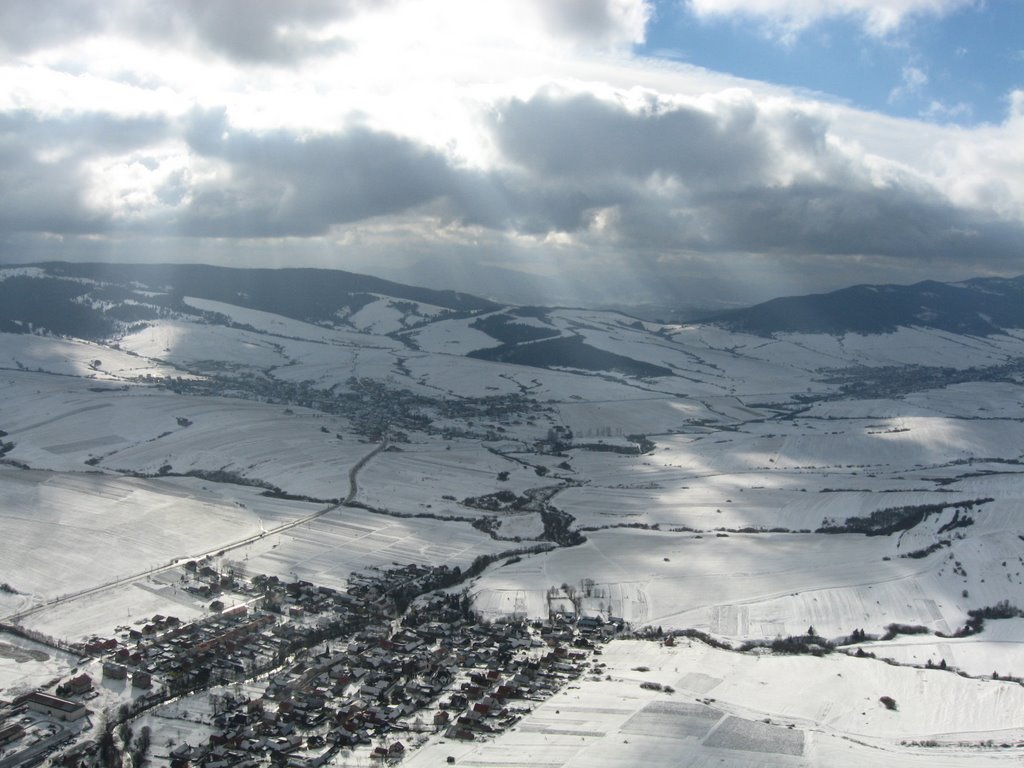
point(677, 152)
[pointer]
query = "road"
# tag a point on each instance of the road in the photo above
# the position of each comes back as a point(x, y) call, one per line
point(353, 485)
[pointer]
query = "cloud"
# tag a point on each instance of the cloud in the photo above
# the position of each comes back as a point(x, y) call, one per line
point(44, 178)
point(913, 80)
point(789, 17)
point(582, 137)
point(613, 22)
point(26, 25)
point(279, 183)
point(511, 133)
point(938, 110)
point(894, 222)
point(733, 175)
point(247, 31)
point(272, 32)
point(643, 176)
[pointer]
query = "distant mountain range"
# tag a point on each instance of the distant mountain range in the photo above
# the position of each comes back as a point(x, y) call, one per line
point(97, 300)
point(978, 307)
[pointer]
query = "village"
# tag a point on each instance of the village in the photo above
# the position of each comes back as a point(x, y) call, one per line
point(373, 408)
point(294, 674)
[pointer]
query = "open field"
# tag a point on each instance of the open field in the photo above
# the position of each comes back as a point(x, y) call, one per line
point(66, 532)
point(326, 550)
point(419, 477)
point(753, 585)
point(62, 424)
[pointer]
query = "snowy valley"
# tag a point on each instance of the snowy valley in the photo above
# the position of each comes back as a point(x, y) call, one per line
point(734, 545)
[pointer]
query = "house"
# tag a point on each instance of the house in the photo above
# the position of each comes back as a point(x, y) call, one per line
point(181, 752)
point(100, 645)
point(76, 686)
point(112, 671)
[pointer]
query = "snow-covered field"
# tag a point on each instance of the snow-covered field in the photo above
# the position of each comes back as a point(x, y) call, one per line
point(65, 532)
point(326, 550)
point(434, 478)
point(26, 352)
point(61, 424)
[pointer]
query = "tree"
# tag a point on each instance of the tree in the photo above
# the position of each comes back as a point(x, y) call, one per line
point(141, 746)
point(109, 756)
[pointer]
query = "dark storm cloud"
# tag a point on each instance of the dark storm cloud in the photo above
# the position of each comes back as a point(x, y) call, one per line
point(526, 204)
point(283, 184)
point(579, 166)
point(890, 221)
point(747, 181)
point(583, 136)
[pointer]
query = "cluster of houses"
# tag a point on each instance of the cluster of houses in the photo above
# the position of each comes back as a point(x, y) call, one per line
point(183, 655)
point(376, 666)
point(436, 670)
